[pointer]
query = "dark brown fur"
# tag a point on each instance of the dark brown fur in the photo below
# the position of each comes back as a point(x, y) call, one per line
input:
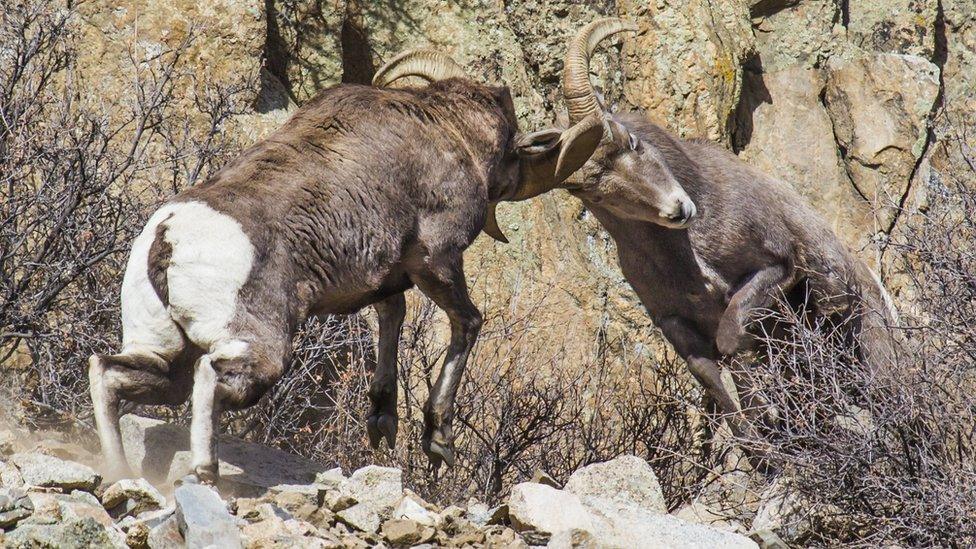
point(754, 238)
point(362, 194)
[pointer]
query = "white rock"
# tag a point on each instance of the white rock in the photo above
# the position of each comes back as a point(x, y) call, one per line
point(631, 527)
point(203, 518)
point(333, 478)
point(379, 488)
point(545, 509)
point(134, 496)
point(626, 480)
point(410, 509)
point(361, 517)
point(49, 471)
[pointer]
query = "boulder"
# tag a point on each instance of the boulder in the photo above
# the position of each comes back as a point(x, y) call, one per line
point(51, 507)
point(138, 528)
point(410, 509)
point(407, 532)
point(361, 517)
point(300, 500)
point(626, 480)
point(80, 532)
point(14, 507)
point(331, 479)
point(166, 535)
point(132, 497)
point(159, 451)
point(49, 471)
point(280, 530)
point(541, 508)
point(631, 527)
point(479, 513)
point(379, 488)
point(204, 519)
point(543, 514)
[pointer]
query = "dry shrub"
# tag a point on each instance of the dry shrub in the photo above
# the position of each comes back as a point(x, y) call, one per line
point(518, 409)
point(885, 457)
point(78, 178)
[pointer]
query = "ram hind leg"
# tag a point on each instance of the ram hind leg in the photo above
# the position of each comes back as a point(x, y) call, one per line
point(382, 420)
point(141, 378)
point(233, 376)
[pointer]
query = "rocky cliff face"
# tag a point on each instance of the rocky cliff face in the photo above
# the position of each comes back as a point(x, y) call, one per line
point(860, 105)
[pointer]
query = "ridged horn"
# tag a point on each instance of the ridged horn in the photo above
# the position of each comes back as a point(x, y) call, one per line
point(430, 65)
point(581, 101)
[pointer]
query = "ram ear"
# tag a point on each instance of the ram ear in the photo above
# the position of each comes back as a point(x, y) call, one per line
point(577, 145)
point(622, 137)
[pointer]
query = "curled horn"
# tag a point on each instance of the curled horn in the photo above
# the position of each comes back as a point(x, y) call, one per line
point(430, 65)
point(581, 100)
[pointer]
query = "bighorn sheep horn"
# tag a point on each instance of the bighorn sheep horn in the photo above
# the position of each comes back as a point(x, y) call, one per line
point(430, 65)
point(581, 101)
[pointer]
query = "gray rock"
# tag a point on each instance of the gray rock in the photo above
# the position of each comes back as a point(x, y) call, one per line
point(626, 480)
point(541, 508)
point(49, 471)
point(159, 452)
point(50, 508)
point(131, 497)
point(379, 488)
point(71, 534)
point(204, 519)
point(166, 535)
point(14, 507)
point(361, 517)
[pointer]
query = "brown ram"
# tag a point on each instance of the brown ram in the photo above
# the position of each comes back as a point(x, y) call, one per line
point(748, 239)
point(362, 194)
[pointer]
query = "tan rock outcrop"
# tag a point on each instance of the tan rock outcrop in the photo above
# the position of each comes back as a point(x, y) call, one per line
point(880, 107)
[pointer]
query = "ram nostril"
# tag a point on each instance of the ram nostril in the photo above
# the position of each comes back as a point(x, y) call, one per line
point(688, 210)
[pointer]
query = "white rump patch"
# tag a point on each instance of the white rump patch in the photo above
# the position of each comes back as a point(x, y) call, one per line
point(146, 325)
point(211, 261)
